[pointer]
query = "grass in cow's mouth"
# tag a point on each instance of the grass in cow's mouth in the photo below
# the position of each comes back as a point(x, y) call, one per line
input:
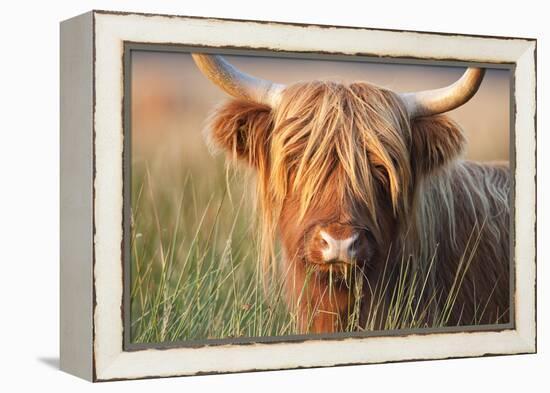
point(195, 271)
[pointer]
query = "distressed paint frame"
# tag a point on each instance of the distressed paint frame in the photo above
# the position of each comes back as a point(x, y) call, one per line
point(103, 357)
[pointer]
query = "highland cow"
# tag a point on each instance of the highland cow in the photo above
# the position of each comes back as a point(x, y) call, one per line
point(353, 179)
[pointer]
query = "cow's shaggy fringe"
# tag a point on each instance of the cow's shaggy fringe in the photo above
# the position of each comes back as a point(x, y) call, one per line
point(320, 129)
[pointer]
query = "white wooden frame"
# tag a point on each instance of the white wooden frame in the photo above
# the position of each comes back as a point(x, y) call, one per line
point(92, 195)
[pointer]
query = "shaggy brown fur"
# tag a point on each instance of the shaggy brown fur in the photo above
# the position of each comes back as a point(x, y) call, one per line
point(346, 157)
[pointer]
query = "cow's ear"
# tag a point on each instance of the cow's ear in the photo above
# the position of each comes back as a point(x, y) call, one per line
point(243, 130)
point(436, 141)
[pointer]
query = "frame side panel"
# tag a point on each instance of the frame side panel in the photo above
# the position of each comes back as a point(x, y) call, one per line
point(76, 192)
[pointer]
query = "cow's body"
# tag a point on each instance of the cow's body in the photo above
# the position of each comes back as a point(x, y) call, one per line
point(357, 181)
point(458, 242)
point(465, 212)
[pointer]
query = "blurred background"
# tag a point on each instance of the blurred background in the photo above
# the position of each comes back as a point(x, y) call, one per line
point(195, 271)
point(171, 98)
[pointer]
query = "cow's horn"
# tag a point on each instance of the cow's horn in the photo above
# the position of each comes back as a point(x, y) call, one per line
point(237, 83)
point(433, 102)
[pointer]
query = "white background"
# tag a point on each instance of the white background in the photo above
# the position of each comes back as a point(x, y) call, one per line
point(29, 196)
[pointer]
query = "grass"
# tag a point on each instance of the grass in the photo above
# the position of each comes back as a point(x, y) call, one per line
point(195, 272)
point(194, 261)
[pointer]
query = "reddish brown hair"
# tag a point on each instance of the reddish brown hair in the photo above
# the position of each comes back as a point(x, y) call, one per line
point(357, 140)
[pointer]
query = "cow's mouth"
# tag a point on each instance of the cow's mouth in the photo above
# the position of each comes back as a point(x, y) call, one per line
point(337, 269)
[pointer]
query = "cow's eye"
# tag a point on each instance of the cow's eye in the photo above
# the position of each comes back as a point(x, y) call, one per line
point(323, 243)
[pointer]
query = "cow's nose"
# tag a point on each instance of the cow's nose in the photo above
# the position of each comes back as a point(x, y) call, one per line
point(343, 249)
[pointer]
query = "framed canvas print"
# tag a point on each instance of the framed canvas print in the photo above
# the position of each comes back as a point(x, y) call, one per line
point(246, 195)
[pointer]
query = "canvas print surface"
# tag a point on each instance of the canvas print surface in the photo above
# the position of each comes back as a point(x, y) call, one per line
point(277, 197)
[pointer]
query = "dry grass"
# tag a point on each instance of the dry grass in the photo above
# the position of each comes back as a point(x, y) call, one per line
point(196, 273)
